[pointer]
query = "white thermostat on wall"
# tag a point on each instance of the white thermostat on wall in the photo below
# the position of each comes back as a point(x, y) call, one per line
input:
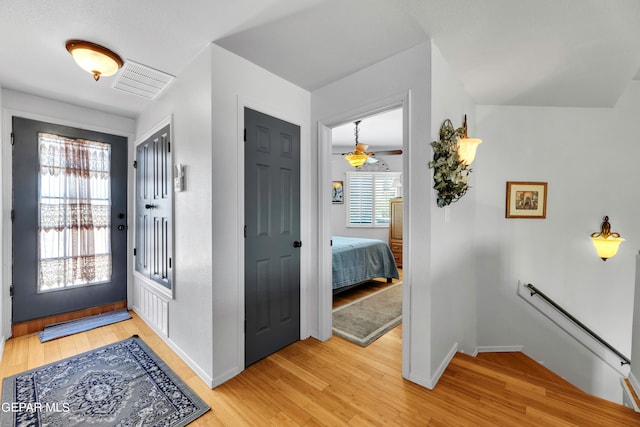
point(178, 180)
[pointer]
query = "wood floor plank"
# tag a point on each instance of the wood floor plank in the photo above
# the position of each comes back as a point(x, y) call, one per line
point(312, 383)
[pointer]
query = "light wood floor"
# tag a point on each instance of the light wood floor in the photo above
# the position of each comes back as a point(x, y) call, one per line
point(336, 383)
point(363, 290)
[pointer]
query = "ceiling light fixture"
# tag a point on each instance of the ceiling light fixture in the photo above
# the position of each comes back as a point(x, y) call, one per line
point(95, 59)
point(467, 146)
point(359, 155)
point(606, 241)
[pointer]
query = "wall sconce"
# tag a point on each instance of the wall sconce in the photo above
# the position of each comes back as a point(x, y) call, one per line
point(95, 59)
point(467, 146)
point(606, 241)
point(453, 153)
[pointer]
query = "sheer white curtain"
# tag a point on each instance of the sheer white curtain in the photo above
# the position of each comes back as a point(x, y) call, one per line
point(75, 212)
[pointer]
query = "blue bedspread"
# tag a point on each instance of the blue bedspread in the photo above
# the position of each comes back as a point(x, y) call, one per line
point(357, 260)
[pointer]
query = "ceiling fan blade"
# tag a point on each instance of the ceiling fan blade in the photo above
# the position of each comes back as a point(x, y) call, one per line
point(372, 160)
point(389, 152)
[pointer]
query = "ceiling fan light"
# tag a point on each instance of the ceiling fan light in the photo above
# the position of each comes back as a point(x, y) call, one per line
point(356, 160)
point(361, 148)
point(93, 58)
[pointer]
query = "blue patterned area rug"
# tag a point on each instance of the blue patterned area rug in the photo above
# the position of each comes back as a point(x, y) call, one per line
point(121, 384)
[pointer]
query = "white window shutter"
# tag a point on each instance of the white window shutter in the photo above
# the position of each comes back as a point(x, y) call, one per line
point(368, 195)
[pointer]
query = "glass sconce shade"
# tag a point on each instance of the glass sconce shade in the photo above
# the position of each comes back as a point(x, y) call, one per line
point(606, 241)
point(606, 247)
point(467, 149)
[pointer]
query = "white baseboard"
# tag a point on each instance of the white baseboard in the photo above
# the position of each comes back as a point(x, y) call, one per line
point(221, 379)
point(431, 383)
point(443, 365)
point(2, 341)
point(498, 349)
point(193, 365)
point(185, 358)
point(421, 381)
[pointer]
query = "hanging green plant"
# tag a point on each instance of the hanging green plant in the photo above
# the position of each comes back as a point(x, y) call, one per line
point(450, 174)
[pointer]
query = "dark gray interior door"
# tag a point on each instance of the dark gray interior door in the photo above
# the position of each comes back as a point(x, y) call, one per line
point(30, 300)
point(272, 244)
point(154, 208)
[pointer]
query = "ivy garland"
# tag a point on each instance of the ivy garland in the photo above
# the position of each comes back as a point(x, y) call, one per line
point(450, 174)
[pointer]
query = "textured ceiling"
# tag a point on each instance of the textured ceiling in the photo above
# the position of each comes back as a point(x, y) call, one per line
point(526, 52)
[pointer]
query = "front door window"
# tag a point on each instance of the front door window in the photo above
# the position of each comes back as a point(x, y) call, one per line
point(74, 212)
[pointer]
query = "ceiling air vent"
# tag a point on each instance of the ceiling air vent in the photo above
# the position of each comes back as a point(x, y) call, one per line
point(141, 80)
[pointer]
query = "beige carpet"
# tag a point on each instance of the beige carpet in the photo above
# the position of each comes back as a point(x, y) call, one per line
point(365, 320)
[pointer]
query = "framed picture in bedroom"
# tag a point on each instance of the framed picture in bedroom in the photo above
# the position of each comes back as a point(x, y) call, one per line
point(337, 192)
point(526, 200)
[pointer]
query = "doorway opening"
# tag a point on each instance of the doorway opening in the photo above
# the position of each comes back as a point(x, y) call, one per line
point(366, 223)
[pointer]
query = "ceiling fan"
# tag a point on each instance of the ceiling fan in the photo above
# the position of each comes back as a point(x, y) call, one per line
point(360, 155)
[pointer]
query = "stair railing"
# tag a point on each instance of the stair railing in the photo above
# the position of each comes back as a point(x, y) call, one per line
point(535, 291)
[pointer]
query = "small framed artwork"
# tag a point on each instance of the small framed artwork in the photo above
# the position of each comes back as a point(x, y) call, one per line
point(337, 192)
point(526, 200)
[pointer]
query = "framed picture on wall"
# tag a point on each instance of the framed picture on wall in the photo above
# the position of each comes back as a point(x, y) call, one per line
point(526, 200)
point(337, 192)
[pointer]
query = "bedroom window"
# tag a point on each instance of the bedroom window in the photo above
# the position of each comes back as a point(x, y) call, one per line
point(368, 195)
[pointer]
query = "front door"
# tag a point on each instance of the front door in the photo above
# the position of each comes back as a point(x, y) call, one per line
point(272, 244)
point(69, 219)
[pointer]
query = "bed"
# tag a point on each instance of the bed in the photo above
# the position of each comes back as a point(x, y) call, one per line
point(357, 260)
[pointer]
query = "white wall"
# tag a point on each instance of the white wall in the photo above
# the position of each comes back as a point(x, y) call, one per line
point(406, 74)
point(339, 167)
point(588, 157)
point(48, 110)
point(635, 340)
point(453, 269)
point(188, 102)
point(237, 83)
point(4, 266)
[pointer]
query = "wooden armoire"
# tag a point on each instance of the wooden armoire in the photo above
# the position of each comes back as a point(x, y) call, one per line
point(395, 229)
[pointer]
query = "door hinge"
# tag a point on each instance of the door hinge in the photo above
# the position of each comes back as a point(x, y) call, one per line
point(245, 231)
point(12, 138)
point(13, 214)
point(11, 290)
point(168, 147)
point(169, 262)
point(135, 164)
point(245, 135)
point(245, 326)
point(135, 252)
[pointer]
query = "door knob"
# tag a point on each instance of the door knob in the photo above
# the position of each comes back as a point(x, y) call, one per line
point(148, 206)
point(297, 244)
point(121, 227)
